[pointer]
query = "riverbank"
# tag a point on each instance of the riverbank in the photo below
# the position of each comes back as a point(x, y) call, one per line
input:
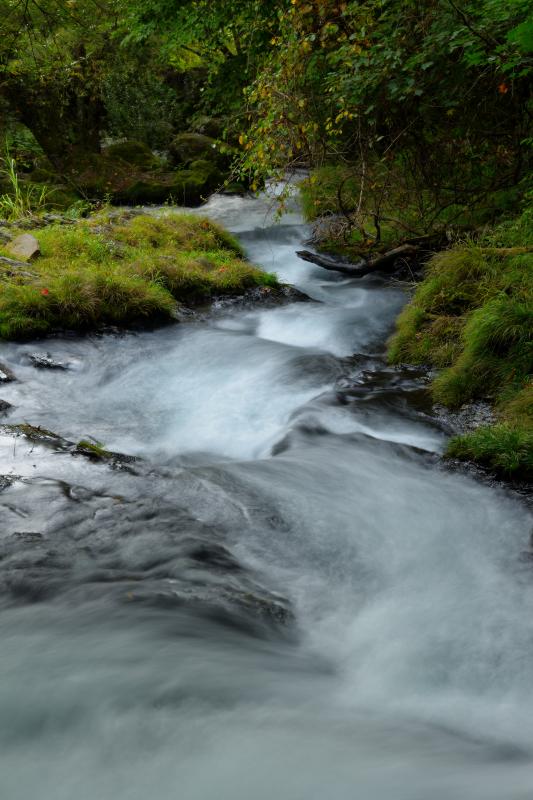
point(472, 318)
point(118, 267)
point(470, 322)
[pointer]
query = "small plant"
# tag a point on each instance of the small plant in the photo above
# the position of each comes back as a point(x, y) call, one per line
point(78, 210)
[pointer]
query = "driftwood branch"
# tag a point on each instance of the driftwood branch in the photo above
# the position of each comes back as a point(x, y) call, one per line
point(363, 267)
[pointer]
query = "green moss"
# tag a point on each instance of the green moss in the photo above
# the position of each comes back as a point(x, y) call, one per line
point(132, 152)
point(187, 148)
point(472, 316)
point(118, 271)
point(94, 450)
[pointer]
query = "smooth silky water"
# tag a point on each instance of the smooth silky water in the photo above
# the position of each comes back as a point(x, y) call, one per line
point(279, 436)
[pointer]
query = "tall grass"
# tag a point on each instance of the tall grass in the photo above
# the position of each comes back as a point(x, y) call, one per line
point(22, 200)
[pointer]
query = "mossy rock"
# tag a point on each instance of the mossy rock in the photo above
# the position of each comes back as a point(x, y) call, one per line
point(187, 148)
point(209, 126)
point(188, 187)
point(126, 183)
point(135, 153)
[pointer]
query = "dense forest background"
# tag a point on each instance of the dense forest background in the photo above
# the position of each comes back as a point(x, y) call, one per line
point(428, 101)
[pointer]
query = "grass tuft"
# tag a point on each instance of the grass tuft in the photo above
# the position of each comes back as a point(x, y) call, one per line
point(119, 271)
point(503, 448)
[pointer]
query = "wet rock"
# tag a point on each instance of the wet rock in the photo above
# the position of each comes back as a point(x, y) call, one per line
point(266, 296)
point(469, 417)
point(6, 376)
point(215, 556)
point(45, 361)
point(134, 551)
point(26, 247)
point(36, 434)
point(91, 450)
point(5, 407)
point(234, 188)
point(95, 452)
point(6, 481)
point(184, 314)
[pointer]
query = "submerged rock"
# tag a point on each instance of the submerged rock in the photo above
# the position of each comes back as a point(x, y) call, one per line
point(138, 552)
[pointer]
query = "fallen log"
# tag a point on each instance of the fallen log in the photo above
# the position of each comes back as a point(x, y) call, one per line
point(332, 264)
point(384, 261)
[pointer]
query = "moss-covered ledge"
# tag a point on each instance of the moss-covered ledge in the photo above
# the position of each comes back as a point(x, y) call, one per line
point(472, 317)
point(121, 268)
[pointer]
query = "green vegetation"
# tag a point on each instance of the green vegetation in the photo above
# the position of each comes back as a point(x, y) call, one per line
point(505, 449)
point(119, 270)
point(472, 316)
point(20, 200)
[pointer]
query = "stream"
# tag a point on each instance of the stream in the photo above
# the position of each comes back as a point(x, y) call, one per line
point(287, 596)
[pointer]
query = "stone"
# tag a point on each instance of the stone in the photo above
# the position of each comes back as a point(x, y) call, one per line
point(24, 247)
point(6, 376)
point(11, 268)
point(4, 407)
point(44, 361)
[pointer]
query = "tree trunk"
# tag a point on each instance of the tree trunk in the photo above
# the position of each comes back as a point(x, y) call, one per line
point(66, 124)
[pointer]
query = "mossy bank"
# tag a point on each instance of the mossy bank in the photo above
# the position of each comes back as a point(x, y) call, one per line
point(120, 268)
point(472, 318)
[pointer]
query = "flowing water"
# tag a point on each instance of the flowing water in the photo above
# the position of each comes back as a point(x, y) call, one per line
point(287, 597)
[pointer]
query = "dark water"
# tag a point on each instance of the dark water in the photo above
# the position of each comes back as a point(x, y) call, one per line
point(287, 598)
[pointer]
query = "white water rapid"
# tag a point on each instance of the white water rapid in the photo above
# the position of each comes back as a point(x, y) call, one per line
point(282, 460)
